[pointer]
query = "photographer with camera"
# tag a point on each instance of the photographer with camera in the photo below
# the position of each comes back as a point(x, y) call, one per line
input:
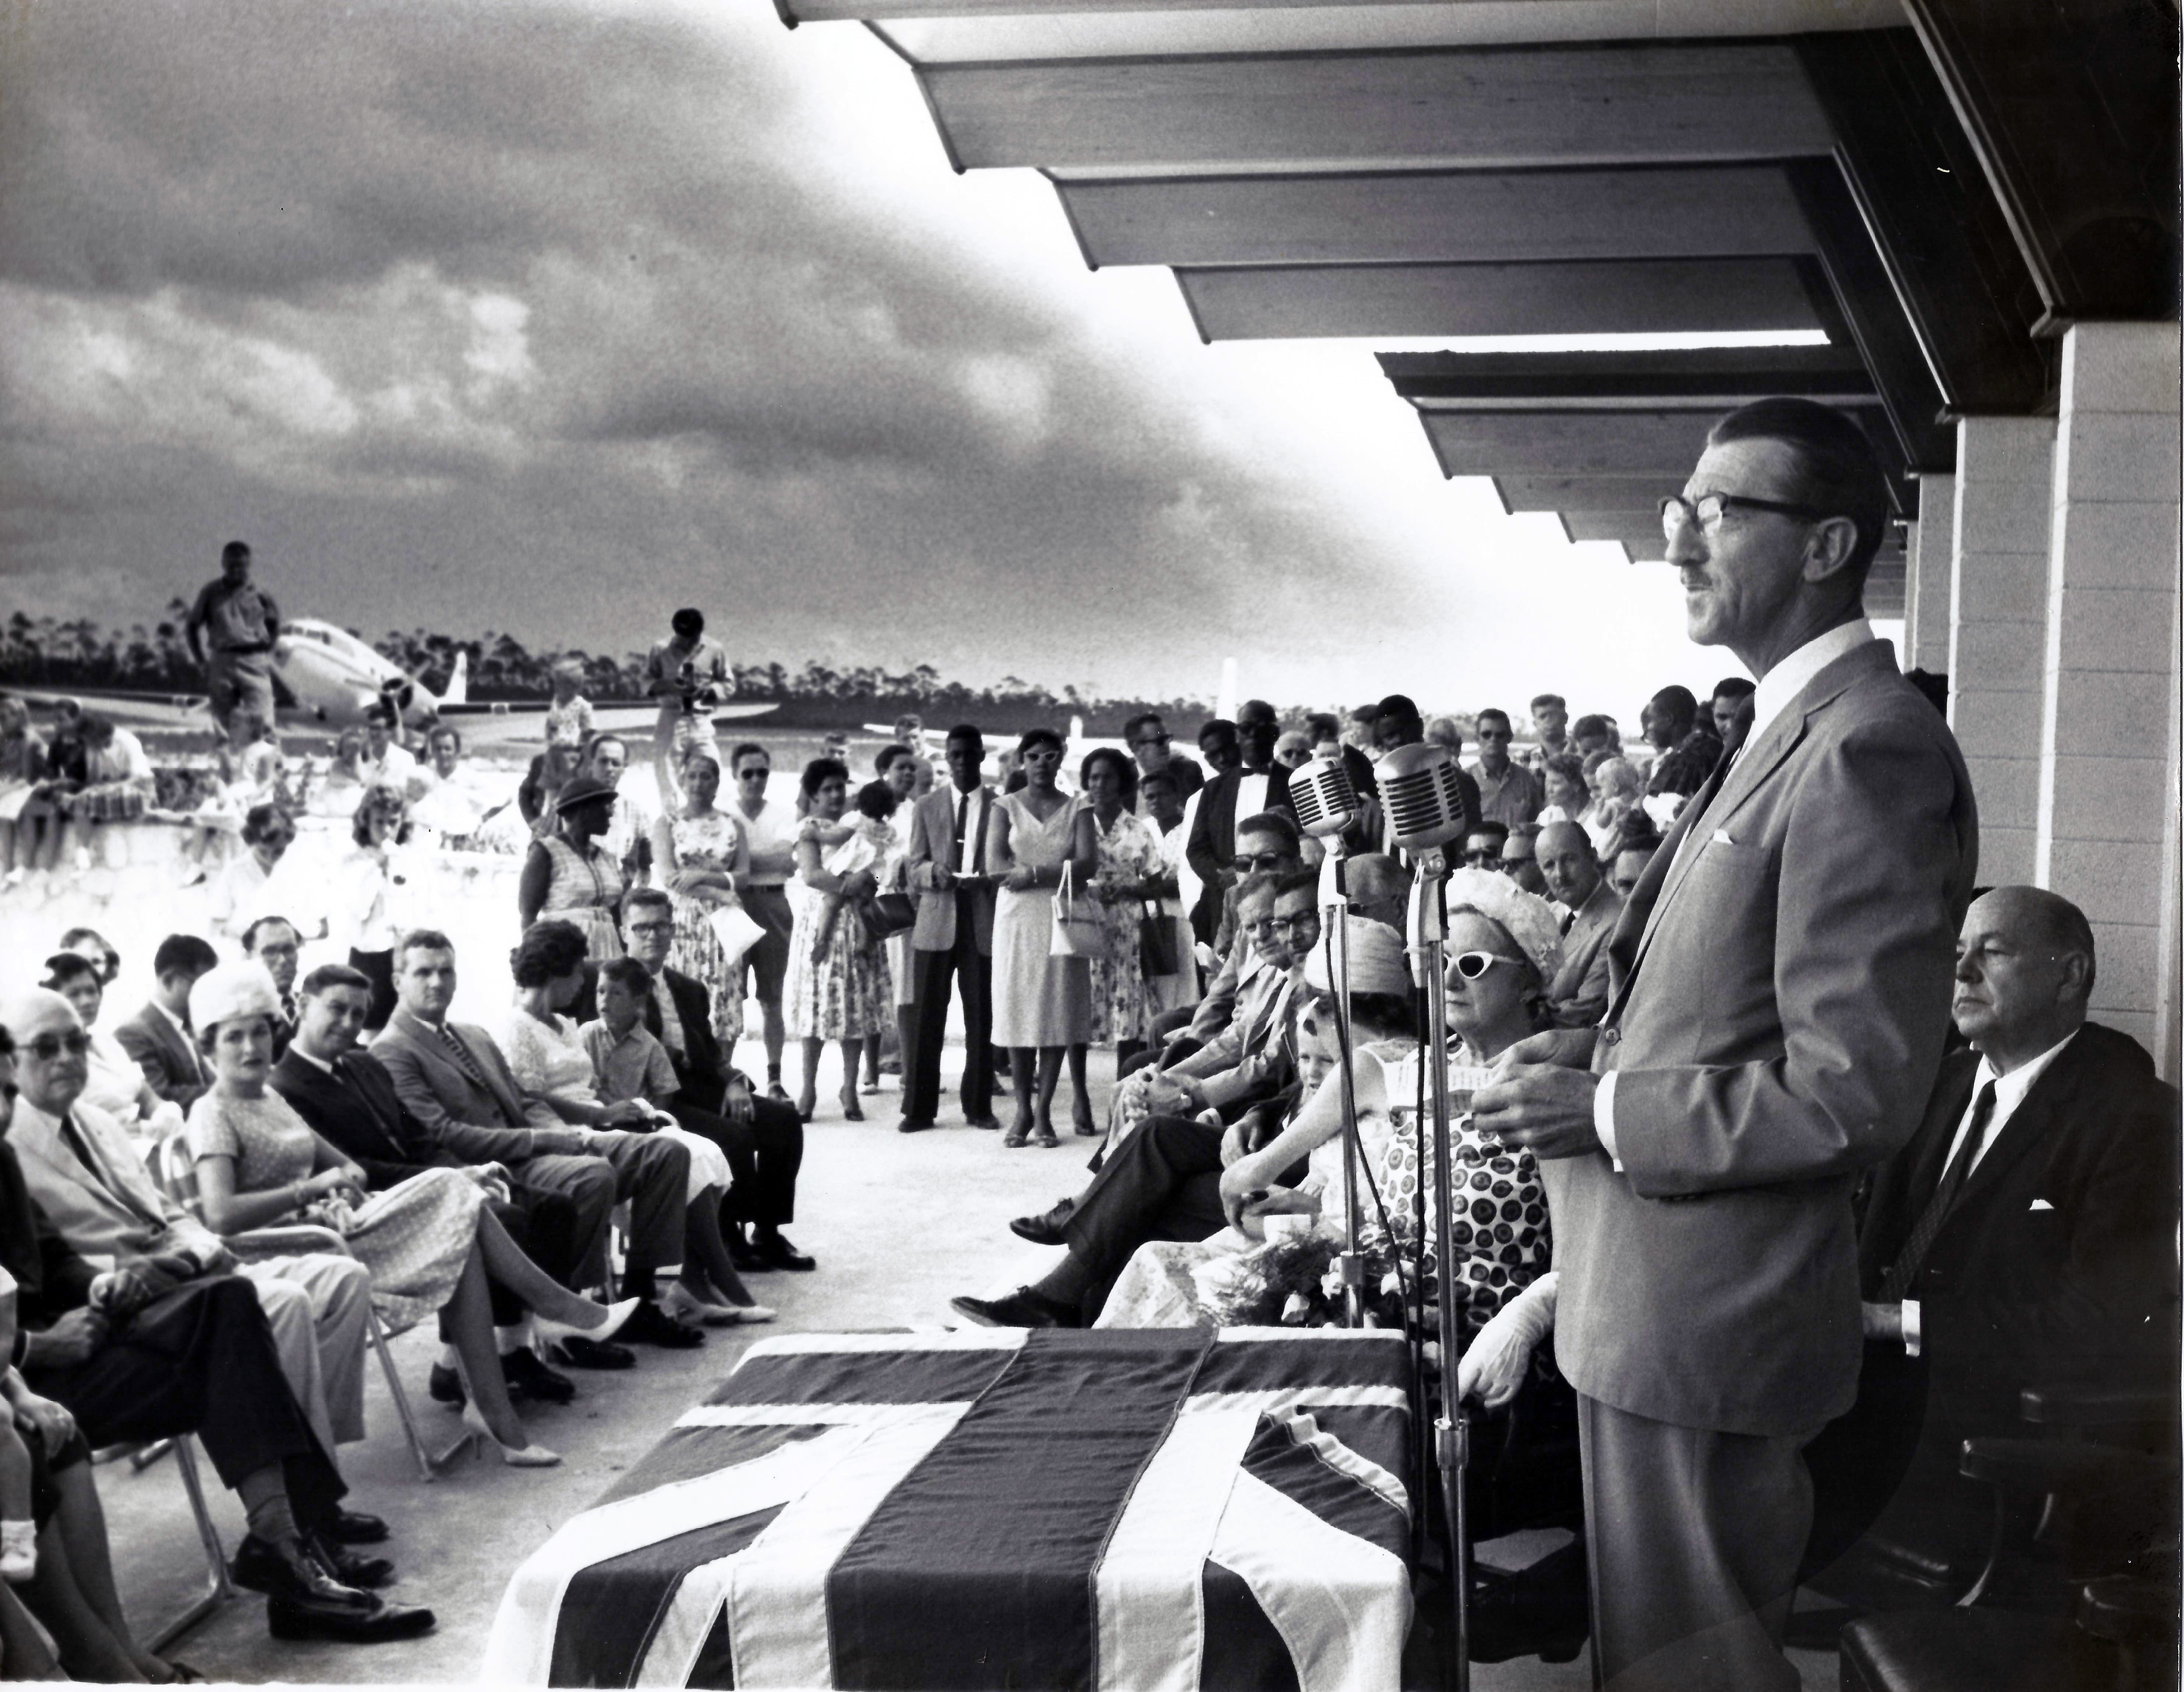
point(688, 675)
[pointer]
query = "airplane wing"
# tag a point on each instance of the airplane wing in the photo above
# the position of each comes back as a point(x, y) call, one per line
point(131, 710)
point(497, 722)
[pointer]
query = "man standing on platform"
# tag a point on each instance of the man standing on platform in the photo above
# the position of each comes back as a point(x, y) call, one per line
point(1780, 998)
point(232, 629)
point(954, 938)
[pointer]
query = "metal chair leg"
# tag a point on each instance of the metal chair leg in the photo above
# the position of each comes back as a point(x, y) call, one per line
point(429, 1463)
point(221, 1589)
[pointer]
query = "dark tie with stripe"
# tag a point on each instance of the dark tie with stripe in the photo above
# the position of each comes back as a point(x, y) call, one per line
point(1904, 1274)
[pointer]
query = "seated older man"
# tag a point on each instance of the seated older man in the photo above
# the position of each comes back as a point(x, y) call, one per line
point(141, 1322)
point(2026, 1234)
point(1578, 995)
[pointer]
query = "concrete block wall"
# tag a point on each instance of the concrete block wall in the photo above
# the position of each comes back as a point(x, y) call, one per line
point(1999, 616)
point(1929, 557)
point(2106, 799)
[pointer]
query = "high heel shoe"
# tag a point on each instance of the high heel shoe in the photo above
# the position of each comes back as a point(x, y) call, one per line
point(532, 1456)
point(680, 1301)
point(852, 1110)
point(550, 1332)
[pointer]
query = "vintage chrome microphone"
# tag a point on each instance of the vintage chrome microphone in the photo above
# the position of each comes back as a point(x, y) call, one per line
point(1424, 804)
point(1326, 803)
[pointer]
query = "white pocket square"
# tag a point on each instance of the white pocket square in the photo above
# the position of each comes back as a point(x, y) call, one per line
point(2042, 1204)
point(1721, 837)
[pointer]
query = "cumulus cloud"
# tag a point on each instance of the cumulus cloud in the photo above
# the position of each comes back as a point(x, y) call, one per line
point(549, 316)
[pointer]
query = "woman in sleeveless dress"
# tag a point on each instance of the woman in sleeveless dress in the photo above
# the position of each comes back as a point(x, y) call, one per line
point(838, 985)
point(1042, 1003)
point(698, 852)
point(570, 876)
point(1133, 875)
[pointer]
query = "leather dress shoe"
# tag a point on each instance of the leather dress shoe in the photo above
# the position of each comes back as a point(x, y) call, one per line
point(652, 1326)
point(287, 1618)
point(293, 1574)
point(445, 1387)
point(907, 1126)
point(775, 1253)
point(359, 1569)
point(353, 1528)
point(579, 1352)
point(986, 1122)
point(1022, 1308)
point(1045, 1229)
point(528, 1377)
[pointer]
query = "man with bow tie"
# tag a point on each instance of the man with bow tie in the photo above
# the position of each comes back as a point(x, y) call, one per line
point(1778, 1003)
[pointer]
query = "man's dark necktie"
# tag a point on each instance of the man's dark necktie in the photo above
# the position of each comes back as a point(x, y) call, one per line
point(962, 820)
point(461, 1053)
point(1568, 919)
point(1904, 1274)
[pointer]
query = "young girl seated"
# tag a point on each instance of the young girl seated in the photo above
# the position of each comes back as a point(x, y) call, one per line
point(859, 841)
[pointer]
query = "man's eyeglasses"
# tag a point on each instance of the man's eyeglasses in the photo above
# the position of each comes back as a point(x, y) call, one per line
point(1705, 512)
point(1485, 857)
point(1510, 866)
point(1471, 965)
point(47, 1047)
point(753, 773)
point(1259, 860)
point(1150, 740)
point(663, 926)
point(1299, 924)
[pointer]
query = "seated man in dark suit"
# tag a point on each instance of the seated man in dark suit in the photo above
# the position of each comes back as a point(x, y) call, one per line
point(349, 1100)
point(160, 1346)
point(275, 942)
point(2026, 1234)
point(158, 1036)
point(762, 1137)
point(455, 1080)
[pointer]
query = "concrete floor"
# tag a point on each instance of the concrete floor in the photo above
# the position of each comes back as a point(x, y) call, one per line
point(898, 1223)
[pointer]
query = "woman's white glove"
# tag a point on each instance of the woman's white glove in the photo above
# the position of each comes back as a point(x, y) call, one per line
point(1493, 1364)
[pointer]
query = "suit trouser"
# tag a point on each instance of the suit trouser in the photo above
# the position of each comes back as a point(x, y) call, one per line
point(936, 974)
point(764, 1155)
point(320, 1307)
point(1162, 1182)
point(651, 1173)
point(1694, 1537)
point(201, 1360)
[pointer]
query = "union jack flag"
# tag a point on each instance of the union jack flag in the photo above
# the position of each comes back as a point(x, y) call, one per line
point(1139, 1509)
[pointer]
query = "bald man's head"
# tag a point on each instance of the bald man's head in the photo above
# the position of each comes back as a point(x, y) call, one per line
point(1569, 862)
point(2025, 973)
point(1378, 887)
point(52, 1051)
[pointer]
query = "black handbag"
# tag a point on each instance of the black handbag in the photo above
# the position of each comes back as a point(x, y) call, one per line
point(1159, 953)
point(885, 915)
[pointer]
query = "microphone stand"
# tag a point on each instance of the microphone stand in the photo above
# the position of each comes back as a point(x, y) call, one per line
point(1427, 937)
point(1334, 917)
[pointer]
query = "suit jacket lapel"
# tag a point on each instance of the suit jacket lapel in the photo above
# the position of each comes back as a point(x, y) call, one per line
point(2027, 1127)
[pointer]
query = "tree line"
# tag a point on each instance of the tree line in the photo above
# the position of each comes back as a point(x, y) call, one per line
point(51, 652)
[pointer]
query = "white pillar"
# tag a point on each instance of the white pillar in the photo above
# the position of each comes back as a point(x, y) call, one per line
point(1998, 629)
point(2107, 747)
point(1930, 554)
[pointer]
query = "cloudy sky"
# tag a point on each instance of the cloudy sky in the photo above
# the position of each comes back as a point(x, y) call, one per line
point(547, 318)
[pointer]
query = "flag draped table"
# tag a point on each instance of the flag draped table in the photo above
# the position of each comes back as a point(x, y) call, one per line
point(1129, 1510)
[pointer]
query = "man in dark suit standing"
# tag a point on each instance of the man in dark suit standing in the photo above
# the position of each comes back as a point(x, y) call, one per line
point(2026, 1234)
point(1259, 783)
point(159, 1036)
point(346, 1097)
point(953, 939)
point(1777, 1009)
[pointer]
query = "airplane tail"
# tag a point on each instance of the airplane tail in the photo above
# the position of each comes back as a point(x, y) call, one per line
point(459, 680)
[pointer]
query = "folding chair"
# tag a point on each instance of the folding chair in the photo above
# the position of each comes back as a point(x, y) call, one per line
point(175, 1170)
point(218, 1589)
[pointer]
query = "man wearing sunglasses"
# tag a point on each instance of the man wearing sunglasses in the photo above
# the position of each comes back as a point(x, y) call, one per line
point(1146, 735)
point(1779, 994)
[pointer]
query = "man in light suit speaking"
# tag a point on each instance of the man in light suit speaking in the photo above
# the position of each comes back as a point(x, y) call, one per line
point(1779, 997)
